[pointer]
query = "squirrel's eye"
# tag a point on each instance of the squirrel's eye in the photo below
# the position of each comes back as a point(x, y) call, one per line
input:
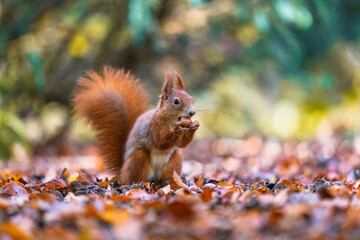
point(176, 101)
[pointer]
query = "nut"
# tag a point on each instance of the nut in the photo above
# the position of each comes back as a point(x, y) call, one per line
point(185, 122)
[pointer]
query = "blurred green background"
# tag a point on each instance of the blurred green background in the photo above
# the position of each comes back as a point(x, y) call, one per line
point(282, 68)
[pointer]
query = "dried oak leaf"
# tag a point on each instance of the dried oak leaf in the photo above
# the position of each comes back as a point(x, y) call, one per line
point(53, 184)
point(179, 181)
point(13, 189)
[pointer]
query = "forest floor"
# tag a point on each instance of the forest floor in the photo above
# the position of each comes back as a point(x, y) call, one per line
point(229, 189)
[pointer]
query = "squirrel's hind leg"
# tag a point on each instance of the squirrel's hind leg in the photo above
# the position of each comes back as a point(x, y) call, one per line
point(174, 164)
point(136, 167)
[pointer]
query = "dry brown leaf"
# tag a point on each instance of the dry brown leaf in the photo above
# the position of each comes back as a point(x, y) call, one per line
point(3, 204)
point(166, 189)
point(53, 184)
point(84, 178)
point(13, 231)
point(178, 180)
point(181, 210)
point(47, 197)
point(13, 189)
point(120, 198)
point(139, 194)
point(104, 184)
point(174, 187)
point(200, 182)
point(117, 215)
point(147, 185)
point(91, 211)
point(206, 195)
point(289, 182)
point(263, 190)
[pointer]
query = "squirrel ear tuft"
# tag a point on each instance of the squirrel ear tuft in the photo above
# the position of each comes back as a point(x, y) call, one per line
point(168, 86)
point(179, 82)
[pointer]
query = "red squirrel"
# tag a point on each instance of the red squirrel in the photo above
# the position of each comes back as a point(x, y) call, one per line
point(136, 143)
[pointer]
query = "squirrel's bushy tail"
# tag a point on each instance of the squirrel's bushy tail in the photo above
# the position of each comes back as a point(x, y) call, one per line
point(111, 103)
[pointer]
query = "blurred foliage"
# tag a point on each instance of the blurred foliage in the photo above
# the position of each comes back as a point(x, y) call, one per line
point(288, 68)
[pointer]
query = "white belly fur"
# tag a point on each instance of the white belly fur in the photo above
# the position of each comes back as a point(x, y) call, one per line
point(158, 160)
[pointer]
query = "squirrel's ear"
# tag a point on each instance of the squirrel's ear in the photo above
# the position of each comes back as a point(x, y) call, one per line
point(179, 82)
point(168, 86)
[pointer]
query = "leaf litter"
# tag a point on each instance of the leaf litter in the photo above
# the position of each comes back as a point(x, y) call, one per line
point(292, 199)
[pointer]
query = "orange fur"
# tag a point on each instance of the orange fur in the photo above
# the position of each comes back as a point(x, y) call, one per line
point(187, 136)
point(111, 103)
point(139, 145)
point(174, 164)
point(136, 167)
point(162, 137)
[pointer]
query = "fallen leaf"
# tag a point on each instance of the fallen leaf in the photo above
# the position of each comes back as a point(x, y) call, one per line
point(13, 189)
point(224, 184)
point(200, 182)
point(181, 210)
point(174, 187)
point(104, 184)
point(3, 204)
point(84, 178)
point(179, 181)
point(139, 194)
point(206, 195)
point(166, 189)
point(120, 198)
point(47, 197)
point(53, 184)
point(12, 231)
point(147, 185)
point(117, 215)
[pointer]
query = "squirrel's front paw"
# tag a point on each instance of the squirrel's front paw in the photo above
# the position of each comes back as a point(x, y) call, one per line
point(194, 125)
point(178, 127)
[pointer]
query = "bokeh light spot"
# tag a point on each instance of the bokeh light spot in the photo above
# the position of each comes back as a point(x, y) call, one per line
point(78, 46)
point(285, 119)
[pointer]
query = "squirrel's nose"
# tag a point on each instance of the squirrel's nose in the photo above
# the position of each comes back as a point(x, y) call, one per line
point(192, 113)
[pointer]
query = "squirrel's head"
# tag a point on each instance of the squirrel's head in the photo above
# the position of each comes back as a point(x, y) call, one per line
point(174, 100)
